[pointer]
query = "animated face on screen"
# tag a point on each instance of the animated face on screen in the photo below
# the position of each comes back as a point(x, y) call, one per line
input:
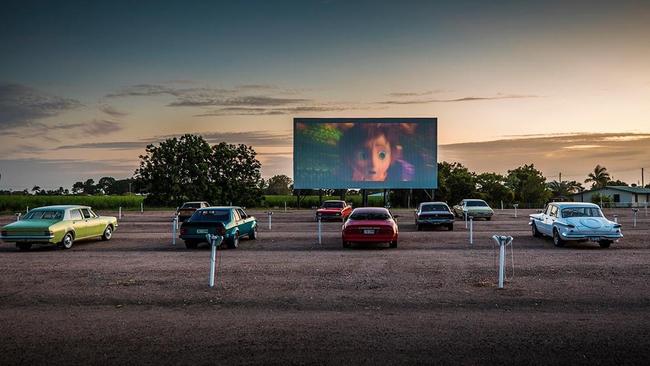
point(371, 152)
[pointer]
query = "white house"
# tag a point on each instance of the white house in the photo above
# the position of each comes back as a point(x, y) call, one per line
point(621, 196)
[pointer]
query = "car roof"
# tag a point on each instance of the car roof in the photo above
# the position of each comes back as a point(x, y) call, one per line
point(433, 203)
point(575, 204)
point(59, 207)
point(473, 199)
point(370, 209)
point(219, 208)
point(185, 203)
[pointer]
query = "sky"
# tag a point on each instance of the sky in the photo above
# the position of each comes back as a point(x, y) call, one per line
point(85, 86)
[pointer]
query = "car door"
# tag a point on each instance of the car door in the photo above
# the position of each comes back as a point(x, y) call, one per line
point(95, 224)
point(246, 222)
point(236, 222)
point(78, 224)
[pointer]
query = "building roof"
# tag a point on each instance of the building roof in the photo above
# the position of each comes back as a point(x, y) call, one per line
point(633, 190)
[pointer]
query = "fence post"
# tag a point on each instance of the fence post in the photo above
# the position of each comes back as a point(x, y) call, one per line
point(471, 230)
point(174, 228)
point(465, 214)
point(285, 206)
point(141, 207)
point(320, 241)
point(269, 214)
point(215, 241)
point(515, 206)
point(119, 213)
point(502, 242)
point(635, 210)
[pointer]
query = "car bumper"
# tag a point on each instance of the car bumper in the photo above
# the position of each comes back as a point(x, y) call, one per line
point(591, 237)
point(325, 217)
point(434, 221)
point(480, 214)
point(27, 238)
point(374, 238)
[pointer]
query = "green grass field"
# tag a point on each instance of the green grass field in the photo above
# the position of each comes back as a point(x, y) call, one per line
point(20, 203)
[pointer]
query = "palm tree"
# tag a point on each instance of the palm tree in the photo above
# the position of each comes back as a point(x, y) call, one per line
point(564, 188)
point(599, 177)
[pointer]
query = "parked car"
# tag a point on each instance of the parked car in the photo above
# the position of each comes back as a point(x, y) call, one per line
point(334, 210)
point(187, 209)
point(475, 208)
point(434, 214)
point(61, 225)
point(575, 221)
point(370, 225)
point(231, 222)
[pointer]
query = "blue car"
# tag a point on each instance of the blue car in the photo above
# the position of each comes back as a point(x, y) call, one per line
point(231, 222)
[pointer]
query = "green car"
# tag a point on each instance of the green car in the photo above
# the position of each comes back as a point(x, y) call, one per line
point(61, 225)
point(231, 222)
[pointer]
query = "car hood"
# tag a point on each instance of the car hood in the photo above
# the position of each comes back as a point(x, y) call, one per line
point(590, 223)
point(30, 224)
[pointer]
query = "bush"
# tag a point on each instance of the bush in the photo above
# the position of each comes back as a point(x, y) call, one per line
point(14, 203)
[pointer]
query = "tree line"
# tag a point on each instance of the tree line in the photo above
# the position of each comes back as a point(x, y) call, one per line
point(188, 168)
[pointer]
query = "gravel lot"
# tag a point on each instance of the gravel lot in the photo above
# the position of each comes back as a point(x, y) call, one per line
point(284, 299)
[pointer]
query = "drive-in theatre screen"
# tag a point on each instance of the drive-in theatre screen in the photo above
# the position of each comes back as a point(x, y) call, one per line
point(365, 153)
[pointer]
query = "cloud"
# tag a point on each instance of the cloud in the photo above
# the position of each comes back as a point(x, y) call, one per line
point(112, 111)
point(21, 105)
point(456, 100)
point(206, 101)
point(574, 155)
point(101, 127)
point(248, 111)
point(416, 94)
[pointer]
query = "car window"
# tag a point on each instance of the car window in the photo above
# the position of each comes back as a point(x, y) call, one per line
point(86, 213)
point(192, 205)
point(44, 214)
point(581, 212)
point(370, 216)
point(92, 213)
point(211, 215)
point(241, 213)
point(429, 208)
point(75, 215)
point(476, 204)
point(554, 211)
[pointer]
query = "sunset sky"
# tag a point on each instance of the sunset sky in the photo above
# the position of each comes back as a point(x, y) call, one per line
point(85, 86)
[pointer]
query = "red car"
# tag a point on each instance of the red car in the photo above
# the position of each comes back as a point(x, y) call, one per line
point(370, 225)
point(334, 210)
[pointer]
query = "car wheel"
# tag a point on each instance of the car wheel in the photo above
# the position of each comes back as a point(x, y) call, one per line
point(108, 233)
point(191, 244)
point(393, 244)
point(605, 243)
point(450, 227)
point(536, 232)
point(234, 242)
point(66, 242)
point(24, 246)
point(253, 234)
point(557, 240)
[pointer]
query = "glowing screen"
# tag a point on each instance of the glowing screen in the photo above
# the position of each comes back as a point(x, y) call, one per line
point(340, 153)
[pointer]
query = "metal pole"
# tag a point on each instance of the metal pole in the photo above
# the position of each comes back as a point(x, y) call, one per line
point(616, 219)
point(465, 214)
point(501, 205)
point(141, 207)
point(27, 210)
point(213, 260)
point(269, 214)
point(320, 232)
point(119, 213)
point(515, 206)
point(471, 229)
point(502, 261)
point(285, 206)
point(18, 216)
point(174, 227)
point(646, 208)
point(635, 212)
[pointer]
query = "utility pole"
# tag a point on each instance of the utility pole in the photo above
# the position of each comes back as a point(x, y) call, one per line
point(560, 177)
point(642, 179)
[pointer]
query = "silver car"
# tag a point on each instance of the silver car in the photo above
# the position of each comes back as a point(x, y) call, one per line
point(575, 221)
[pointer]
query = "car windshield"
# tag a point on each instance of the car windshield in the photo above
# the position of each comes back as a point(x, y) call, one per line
point(581, 212)
point(476, 204)
point(192, 205)
point(429, 208)
point(370, 216)
point(44, 215)
point(211, 215)
point(332, 205)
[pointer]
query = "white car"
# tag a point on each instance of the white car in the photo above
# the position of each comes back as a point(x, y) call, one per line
point(575, 221)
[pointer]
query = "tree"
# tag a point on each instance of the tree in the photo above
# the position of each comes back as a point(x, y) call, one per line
point(77, 187)
point(564, 188)
point(492, 188)
point(455, 182)
point(278, 184)
point(105, 185)
point(599, 177)
point(617, 182)
point(528, 185)
point(187, 168)
point(36, 190)
point(89, 186)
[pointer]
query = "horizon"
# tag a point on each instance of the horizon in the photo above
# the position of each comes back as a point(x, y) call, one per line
point(85, 87)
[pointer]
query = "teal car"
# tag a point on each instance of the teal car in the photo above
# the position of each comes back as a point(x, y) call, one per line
point(231, 222)
point(60, 225)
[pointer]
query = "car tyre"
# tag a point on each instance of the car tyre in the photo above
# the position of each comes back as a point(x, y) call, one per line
point(108, 233)
point(67, 241)
point(253, 234)
point(450, 227)
point(536, 233)
point(605, 243)
point(234, 242)
point(393, 244)
point(557, 240)
point(191, 244)
point(24, 246)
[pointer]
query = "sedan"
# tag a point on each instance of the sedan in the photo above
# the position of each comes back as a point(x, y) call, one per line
point(370, 225)
point(334, 210)
point(187, 209)
point(61, 225)
point(475, 208)
point(434, 214)
point(231, 222)
point(575, 221)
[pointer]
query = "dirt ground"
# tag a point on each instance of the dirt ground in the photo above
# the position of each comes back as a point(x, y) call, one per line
point(285, 299)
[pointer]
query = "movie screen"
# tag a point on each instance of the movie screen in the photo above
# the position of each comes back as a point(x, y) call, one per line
point(365, 153)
